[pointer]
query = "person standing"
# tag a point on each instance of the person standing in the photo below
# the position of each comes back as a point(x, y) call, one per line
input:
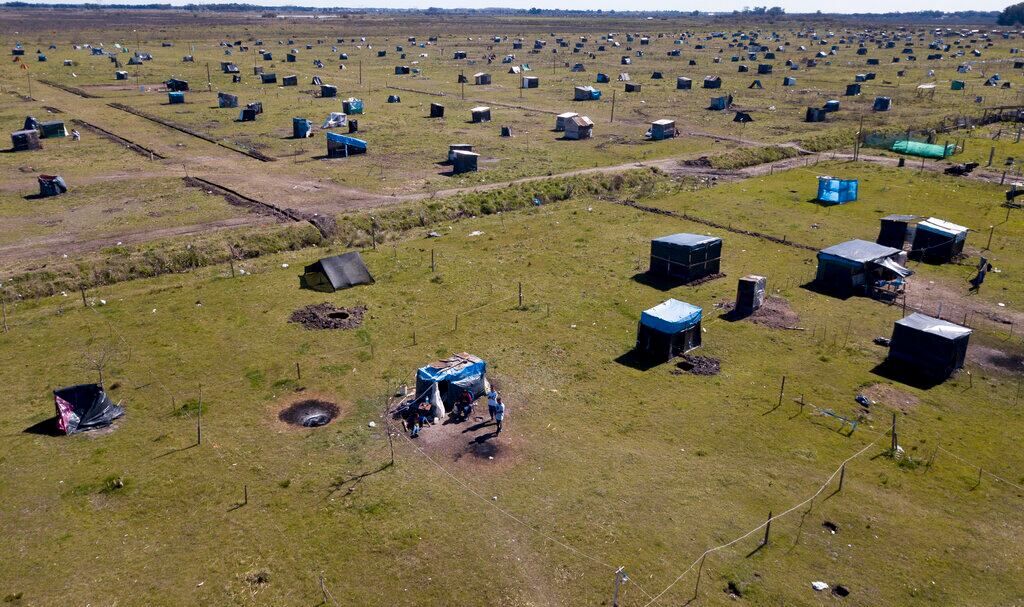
point(492, 402)
point(499, 415)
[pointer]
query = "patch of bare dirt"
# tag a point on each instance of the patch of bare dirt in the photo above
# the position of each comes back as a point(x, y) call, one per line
point(328, 316)
point(891, 396)
point(698, 365)
point(776, 313)
point(991, 358)
point(303, 409)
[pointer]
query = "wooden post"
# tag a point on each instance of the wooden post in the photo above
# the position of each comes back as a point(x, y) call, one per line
point(991, 231)
point(231, 262)
point(82, 289)
point(520, 295)
point(767, 529)
point(414, 338)
point(199, 418)
point(842, 475)
point(456, 322)
point(895, 441)
point(700, 570)
point(991, 155)
point(209, 81)
point(613, 107)
point(3, 303)
point(245, 494)
point(781, 389)
point(298, 371)
point(433, 264)
point(618, 579)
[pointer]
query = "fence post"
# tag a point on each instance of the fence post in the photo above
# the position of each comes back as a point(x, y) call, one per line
point(767, 529)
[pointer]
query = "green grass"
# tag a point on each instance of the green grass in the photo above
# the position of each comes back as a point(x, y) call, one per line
point(642, 468)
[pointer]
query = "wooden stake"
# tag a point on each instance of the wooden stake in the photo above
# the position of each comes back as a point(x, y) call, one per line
point(433, 264)
point(199, 418)
point(895, 442)
point(245, 494)
point(767, 529)
point(700, 569)
point(842, 475)
point(3, 303)
point(781, 389)
point(82, 289)
point(298, 371)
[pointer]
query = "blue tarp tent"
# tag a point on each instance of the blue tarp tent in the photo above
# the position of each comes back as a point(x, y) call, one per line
point(352, 106)
point(175, 97)
point(668, 329)
point(452, 376)
point(836, 191)
point(301, 128)
point(342, 146)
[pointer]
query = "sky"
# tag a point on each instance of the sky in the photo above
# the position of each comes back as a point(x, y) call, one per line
point(792, 6)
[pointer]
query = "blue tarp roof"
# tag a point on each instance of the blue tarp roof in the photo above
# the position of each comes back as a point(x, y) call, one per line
point(689, 240)
point(459, 366)
point(351, 141)
point(671, 316)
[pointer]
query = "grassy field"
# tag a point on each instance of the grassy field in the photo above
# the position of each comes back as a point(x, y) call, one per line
point(605, 462)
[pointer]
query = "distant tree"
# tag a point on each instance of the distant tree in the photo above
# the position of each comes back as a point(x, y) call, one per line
point(1012, 15)
point(776, 11)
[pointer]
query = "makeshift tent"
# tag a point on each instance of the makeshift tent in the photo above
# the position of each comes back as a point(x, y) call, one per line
point(458, 147)
point(290, 81)
point(24, 141)
point(836, 191)
point(683, 83)
point(176, 85)
point(815, 115)
point(401, 70)
point(686, 257)
point(52, 128)
point(175, 97)
point(669, 329)
point(633, 87)
point(712, 82)
point(268, 78)
point(895, 230)
point(852, 89)
point(561, 119)
point(720, 103)
point(788, 81)
point(227, 100)
point(463, 161)
point(450, 378)
point(937, 241)
point(120, 75)
point(579, 127)
point(301, 128)
point(860, 267)
point(530, 82)
point(929, 346)
point(481, 78)
point(750, 293)
point(923, 150)
point(832, 105)
point(328, 90)
point(764, 69)
point(957, 85)
point(247, 114)
point(343, 146)
point(603, 79)
point(394, 99)
point(436, 110)
point(756, 84)
point(585, 93)
point(336, 119)
point(352, 106)
point(51, 185)
point(335, 273)
point(84, 407)
point(882, 104)
point(742, 117)
point(662, 129)
point(480, 114)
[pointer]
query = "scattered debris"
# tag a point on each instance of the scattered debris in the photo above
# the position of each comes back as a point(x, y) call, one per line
point(863, 400)
point(882, 341)
point(698, 365)
point(832, 527)
point(819, 586)
point(327, 316)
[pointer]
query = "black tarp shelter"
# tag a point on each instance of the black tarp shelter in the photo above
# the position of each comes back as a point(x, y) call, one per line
point(928, 346)
point(859, 267)
point(685, 257)
point(668, 329)
point(84, 407)
point(334, 273)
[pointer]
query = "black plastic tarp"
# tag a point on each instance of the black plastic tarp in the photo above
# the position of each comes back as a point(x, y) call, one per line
point(338, 272)
point(929, 345)
point(84, 407)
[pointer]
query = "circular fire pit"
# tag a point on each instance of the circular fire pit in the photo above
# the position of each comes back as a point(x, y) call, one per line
point(310, 413)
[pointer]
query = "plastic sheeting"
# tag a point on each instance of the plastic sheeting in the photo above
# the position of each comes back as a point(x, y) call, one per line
point(84, 407)
point(671, 316)
point(923, 150)
point(338, 272)
point(946, 228)
point(934, 326)
point(838, 191)
point(858, 251)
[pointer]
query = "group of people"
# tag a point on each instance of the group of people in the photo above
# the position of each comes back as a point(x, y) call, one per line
point(420, 413)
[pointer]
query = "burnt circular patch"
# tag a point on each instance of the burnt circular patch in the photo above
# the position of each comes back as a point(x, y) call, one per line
point(327, 316)
point(698, 365)
point(311, 413)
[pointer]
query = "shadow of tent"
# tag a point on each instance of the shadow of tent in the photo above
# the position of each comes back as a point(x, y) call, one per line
point(899, 373)
point(637, 360)
point(815, 287)
point(47, 427)
point(659, 282)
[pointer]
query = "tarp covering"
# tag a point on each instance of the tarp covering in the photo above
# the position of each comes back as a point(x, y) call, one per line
point(52, 185)
point(84, 407)
point(671, 316)
point(924, 150)
point(453, 376)
point(895, 267)
point(688, 240)
point(338, 272)
point(859, 251)
point(934, 326)
point(831, 189)
point(946, 228)
point(336, 119)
